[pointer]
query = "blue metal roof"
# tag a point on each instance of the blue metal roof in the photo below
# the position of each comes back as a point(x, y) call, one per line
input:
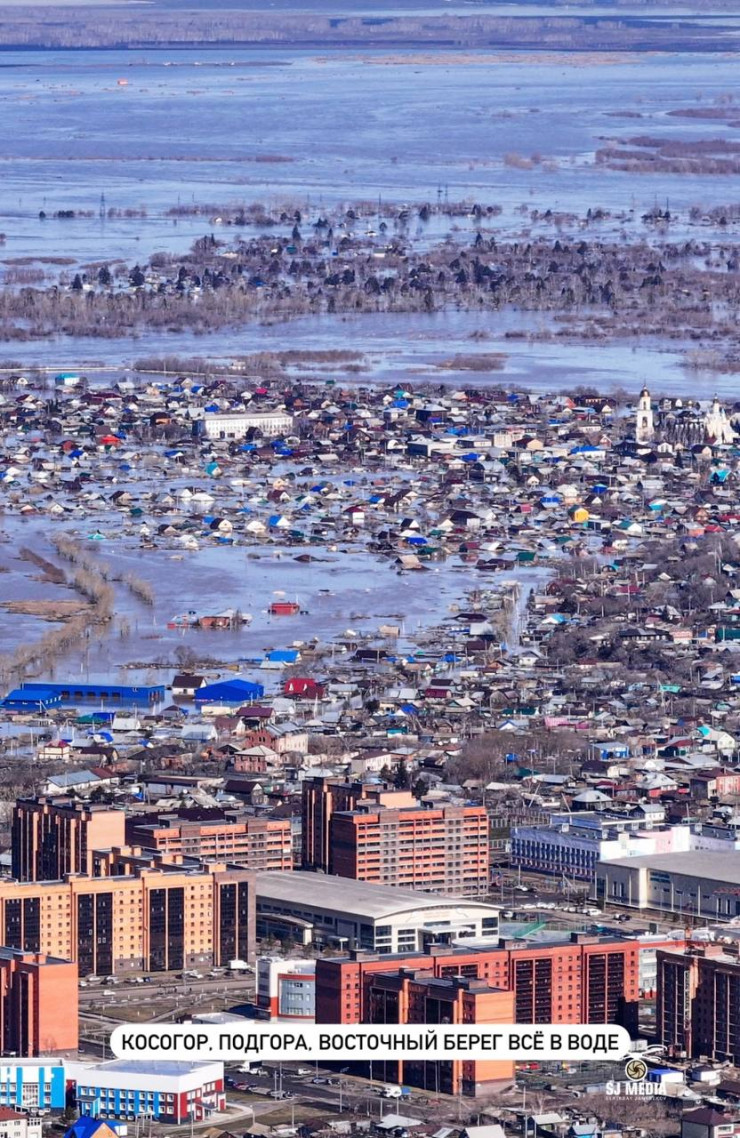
point(230, 691)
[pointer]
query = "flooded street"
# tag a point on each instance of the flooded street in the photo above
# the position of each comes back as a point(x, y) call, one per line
point(348, 590)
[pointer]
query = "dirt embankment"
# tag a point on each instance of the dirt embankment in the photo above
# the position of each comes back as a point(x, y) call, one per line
point(46, 610)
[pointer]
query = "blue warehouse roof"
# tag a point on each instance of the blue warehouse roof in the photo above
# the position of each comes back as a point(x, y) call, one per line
point(229, 691)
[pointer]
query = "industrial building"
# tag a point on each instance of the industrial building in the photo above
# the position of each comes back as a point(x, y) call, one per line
point(34, 696)
point(701, 883)
point(355, 914)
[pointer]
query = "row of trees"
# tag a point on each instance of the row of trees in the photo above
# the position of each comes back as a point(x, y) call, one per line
point(670, 288)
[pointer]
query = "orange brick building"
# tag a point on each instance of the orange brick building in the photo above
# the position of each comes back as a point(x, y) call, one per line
point(441, 850)
point(579, 980)
point(417, 996)
point(38, 1004)
point(321, 797)
point(55, 836)
point(259, 843)
point(698, 1001)
point(376, 833)
point(138, 912)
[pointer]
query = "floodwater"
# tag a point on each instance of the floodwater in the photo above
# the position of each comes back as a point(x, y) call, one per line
point(101, 130)
point(104, 130)
point(151, 130)
point(411, 348)
point(342, 591)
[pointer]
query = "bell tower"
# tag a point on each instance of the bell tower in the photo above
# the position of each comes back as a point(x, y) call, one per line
point(644, 426)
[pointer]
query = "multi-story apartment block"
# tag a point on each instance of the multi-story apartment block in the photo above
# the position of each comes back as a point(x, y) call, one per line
point(418, 996)
point(698, 1005)
point(55, 836)
point(136, 912)
point(375, 833)
point(321, 797)
point(230, 835)
point(38, 1004)
point(443, 849)
point(579, 980)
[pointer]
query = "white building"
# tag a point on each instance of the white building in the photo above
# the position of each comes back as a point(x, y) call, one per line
point(700, 883)
point(235, 425)
point(15, 1124)
point(645, 425)
point(717, 425)
point(357, 914)
point(286, 989)
point(165, 1090)
point(572, 846)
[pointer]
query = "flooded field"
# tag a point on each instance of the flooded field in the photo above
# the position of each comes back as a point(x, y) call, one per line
point(412, 349)
point(92, 131)
point(344, 590)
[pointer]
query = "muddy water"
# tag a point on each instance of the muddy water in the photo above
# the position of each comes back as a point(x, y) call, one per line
point(344, 590)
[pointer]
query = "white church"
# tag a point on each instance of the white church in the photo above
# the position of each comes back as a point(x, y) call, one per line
point(713, 424)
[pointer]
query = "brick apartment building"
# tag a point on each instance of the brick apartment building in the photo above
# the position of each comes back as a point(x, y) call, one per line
point(441, 850)
point(321, 797)
point(137, 912)
point(51, 837)
point(381, 835)
point(38, 1004)
point(418, 996)
point(699, 1001)
point(578, 980)
point(216, 835)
